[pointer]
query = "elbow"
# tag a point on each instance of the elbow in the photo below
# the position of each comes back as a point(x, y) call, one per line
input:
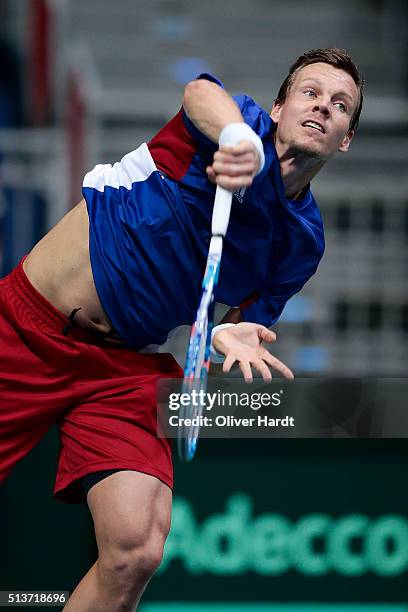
point(195, 90)
point(197, 87)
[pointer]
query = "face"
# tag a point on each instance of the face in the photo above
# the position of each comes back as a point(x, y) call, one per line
point(315, 117)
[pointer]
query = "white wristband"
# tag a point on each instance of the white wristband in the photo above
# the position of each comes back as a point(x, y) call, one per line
point(215, 356)
point(235, 132)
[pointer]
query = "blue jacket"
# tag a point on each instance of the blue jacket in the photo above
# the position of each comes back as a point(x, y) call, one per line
point(150, 219)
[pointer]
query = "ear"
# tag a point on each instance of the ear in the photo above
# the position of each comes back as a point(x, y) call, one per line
point(345, 145)
point(275, 112)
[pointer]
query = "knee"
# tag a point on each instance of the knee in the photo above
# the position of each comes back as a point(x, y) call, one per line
point(144, 560)
point(133, 564)
point(131, 533)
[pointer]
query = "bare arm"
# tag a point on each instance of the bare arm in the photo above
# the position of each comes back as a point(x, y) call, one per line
point(211, 109)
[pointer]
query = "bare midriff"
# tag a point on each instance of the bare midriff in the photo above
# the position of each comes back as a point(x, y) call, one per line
point(59, 267)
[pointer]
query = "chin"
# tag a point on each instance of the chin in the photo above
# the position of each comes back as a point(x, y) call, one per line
point(311, 149)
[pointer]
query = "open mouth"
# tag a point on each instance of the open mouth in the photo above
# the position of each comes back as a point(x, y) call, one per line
point(314, 125)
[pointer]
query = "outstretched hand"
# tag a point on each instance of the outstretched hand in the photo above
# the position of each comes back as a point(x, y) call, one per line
point(242, 343)
point(234, 166)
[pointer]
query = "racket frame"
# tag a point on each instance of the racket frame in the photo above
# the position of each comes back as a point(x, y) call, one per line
point(199, 349)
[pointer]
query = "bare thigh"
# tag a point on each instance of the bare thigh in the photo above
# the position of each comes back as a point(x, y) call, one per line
point(131, 510)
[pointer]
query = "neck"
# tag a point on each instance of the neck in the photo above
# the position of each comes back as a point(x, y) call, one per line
point(297, 169)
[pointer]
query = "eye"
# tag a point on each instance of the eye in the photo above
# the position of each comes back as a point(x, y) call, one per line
point(341, 106)
point(309, 92)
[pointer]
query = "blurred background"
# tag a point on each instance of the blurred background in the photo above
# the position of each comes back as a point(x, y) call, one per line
point(289, 525)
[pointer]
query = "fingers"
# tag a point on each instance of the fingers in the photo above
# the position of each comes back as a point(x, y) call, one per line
point(234, 166)
point(242, 344)
point(263, 369)
point(261, 364)
point(211, 174)
point(233, 183)
point(228, 363)
point(245, 368)
point(242, 147)
point(246, 157)
point(277, 365)
point(266, 335)
point(228, 182)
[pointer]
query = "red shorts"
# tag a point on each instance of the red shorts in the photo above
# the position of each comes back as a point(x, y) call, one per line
point(102, 397)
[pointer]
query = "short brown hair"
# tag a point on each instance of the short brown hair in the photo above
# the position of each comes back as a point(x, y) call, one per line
point(339, 58)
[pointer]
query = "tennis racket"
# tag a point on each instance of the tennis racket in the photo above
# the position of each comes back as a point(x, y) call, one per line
point(198, 352)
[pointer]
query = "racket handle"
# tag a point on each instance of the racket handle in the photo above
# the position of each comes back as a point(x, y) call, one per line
point(221, 211)
point(216, 244)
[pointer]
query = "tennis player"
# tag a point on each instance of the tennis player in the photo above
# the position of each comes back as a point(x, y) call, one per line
point(123, 269)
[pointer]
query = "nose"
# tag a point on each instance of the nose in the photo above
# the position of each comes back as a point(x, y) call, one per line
point(322, 107)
